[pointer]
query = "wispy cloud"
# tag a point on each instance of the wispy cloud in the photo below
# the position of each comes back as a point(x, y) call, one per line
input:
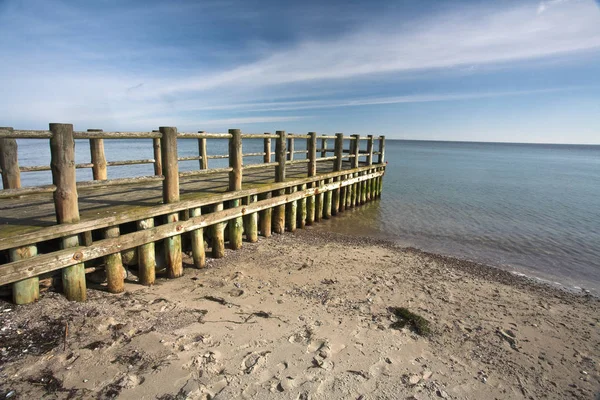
point(89, 69)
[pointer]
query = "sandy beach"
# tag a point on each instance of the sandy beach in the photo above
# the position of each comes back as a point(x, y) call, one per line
point(309, 315)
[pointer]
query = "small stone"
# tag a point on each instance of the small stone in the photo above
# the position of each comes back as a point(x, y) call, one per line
point(442, 393)
point(414, 379)
point(10, 394)
point(85, 380)
point(427, 375)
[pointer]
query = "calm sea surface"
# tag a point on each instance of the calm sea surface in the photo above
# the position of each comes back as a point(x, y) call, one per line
point(532, 209)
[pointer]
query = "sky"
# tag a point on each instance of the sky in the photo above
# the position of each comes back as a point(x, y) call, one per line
point(509, 71)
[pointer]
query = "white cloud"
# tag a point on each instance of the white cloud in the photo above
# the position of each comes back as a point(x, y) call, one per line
point(45, 86)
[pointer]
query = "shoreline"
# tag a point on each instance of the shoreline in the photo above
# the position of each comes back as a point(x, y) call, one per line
point(306, 315)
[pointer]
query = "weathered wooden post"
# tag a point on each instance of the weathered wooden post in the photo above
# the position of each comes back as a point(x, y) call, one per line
point(381, 160)
point(236, 226)
point(115, 274)
point(302, 207)
point(381, 156)
point(28, 290)
point(280, 156)
point(290, 147)
point(98, 158)
point(291, 207)
point(146, 255)
point(62, 164)
point(157, 155)
point(291, 211)
point(197, 239)
point(202, 152)
point(320, 200)
point(324, 147)
point(218, 234)
point(251, 221)
point(370, 163)
point(267, 148)
point(168, 143)
point(337, 166)
point(265, 215)
point(11, 175)
point(311, 146)
point(354, 163)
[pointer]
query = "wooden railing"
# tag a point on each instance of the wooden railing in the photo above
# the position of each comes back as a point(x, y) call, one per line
point(253, 210)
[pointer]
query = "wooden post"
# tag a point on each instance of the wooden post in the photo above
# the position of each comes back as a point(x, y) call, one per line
point(9, 162)
point(280, 156)
point(251, 221)
point(369, 163)
point(267, 149)
point(218, 237)
point(311, 145)
point(323, 147)
point(168, 144)
point(381, 157)
point(146, 256)
point(197, 239)
point(202, 152)
point(343, 191)
point(115, 274)
point(302, 211)
point(28, 290)
point(157, 155)
point(320, 200)
point(265, 216)
point(354, 163)
point(236, 225)
point(291, 211)
point(290, 148)
point(98, 158)
point(62, 164)
point(337, 166)
point(328, 202)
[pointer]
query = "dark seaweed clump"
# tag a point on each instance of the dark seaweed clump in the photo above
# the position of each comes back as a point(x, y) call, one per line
point(405, 318)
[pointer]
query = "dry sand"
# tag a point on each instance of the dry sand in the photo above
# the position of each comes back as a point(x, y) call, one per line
point(305, 316)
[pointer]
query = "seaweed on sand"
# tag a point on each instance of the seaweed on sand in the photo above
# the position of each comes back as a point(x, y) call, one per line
point(415, 322)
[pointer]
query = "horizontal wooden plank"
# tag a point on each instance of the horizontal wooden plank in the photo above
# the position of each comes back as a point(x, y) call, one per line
point(129, 162)
point(192, 158)
point(258, 136)
point(7, 193)
point(261, 165)
point(116, 135)
point(326, 158)
point(194, 135)
point(253, 154)
point(121, 181)
point(21, 134)
point(136, 214)
point(199, 172)
point(22, 269)
point(37, 168)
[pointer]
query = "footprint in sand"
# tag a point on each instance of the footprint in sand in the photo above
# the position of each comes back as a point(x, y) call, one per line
point(253, 360)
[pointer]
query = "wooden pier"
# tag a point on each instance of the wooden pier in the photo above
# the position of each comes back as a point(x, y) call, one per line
point(77, 226)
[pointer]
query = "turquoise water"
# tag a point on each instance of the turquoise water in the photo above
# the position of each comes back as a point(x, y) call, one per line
point(533, 209)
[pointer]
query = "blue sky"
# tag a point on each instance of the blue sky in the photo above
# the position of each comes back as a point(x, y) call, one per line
point(443, 70)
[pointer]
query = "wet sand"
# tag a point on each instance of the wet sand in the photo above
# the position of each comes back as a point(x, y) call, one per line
point(307, 316)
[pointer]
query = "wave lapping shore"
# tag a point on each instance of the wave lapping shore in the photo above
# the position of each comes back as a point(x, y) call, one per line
point(310, 315)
